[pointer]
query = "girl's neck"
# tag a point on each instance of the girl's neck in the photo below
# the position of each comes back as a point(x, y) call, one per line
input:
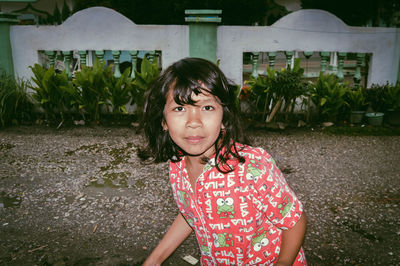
point(194, 168)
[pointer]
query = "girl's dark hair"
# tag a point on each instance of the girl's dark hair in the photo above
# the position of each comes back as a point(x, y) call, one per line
point(187, 76)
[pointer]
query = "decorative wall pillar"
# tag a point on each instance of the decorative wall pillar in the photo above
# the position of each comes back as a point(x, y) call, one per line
point(289, 59)
point(52, 57)
point(82, 57)
point(150, 56)
point(116, 54)
point(324, 59)
point(307, 54)
point(67, 62)
point(134, 54)
point(100, 55)
point(271, 59)
point(341, 57)
point(203, 33)
point(254, 63)
point(333, 63)
point(6, 60)
point(357, 75)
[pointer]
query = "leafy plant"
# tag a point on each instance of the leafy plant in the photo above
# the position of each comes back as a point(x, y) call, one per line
point(90, 91)
point(277, 89)
point(148, 73)
point(392, 97)
point(119, 90)
point(355, 99)
point(328, 96)
point(257, 94)
point(376, 97)
point(287, 86)
point(15, 103)
point(50, 92)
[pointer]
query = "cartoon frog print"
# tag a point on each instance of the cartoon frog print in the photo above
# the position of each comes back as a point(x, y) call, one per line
point(253, 170)
point(225, 207)
point(222, 240)
point(183, 197)
point(259, 241)
point(205, 250)
point(284, 208)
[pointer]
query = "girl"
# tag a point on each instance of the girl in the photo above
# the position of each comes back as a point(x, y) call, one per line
point(232, 195)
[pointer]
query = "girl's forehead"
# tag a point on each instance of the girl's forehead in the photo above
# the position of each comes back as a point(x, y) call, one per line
point(190, 97)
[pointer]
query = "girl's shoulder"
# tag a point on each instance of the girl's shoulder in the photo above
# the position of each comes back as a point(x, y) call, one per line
point(251, 153)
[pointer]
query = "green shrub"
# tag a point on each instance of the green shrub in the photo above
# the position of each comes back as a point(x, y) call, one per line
point(90, 91)
point(119, 90)
point(355, 99)
point(392, 97)
point(15, 103)
point(93, 92)
point(376, 97)
point(50, 92)
point(148, 73)
point(328, 96)
point(278, 90)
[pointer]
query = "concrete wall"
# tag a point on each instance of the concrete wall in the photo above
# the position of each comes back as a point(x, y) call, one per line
point(96, 28)
point(312, 30)
point(101, 28)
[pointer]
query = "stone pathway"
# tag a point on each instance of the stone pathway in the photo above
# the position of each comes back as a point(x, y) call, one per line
point(80, 196)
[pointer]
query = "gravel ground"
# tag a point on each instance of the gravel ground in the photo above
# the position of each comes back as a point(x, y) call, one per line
point(80, 196)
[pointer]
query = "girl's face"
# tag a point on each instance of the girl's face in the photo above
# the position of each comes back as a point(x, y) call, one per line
point(194, 128)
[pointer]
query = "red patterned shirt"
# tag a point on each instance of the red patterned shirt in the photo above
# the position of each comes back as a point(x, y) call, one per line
point(238, 217)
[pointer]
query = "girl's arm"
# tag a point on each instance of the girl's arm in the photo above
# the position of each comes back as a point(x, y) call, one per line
point(292, 240)
point(175, 235)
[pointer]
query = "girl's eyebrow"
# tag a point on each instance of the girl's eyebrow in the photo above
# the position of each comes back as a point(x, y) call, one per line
point(209, 100)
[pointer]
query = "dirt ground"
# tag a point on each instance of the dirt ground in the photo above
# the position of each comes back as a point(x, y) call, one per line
point(80, 196)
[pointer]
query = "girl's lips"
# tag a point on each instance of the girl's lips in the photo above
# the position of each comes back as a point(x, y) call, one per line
point(194, 139)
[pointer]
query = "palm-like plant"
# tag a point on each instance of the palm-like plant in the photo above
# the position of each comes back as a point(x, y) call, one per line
point(90, 91)
point(50, 92)
point(328, 96)
point(355, 99)
point(392, 97)
point(119, 91)
point(148, 73)
point(277, 89)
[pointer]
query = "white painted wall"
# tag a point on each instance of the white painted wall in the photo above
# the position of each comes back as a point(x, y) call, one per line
point(100, 28)
point(96, 28)
point(311, 30)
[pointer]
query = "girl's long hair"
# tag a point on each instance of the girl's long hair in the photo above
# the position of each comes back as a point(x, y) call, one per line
point(184, 77)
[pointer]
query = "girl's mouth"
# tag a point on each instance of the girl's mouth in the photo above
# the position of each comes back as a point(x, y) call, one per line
point(194, 139)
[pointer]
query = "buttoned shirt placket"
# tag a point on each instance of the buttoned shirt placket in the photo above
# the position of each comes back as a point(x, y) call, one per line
point(194, 200)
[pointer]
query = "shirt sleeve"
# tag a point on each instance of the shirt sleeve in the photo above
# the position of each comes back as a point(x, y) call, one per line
point(272, 195)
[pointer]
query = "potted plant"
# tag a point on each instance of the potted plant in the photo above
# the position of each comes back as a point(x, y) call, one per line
point(392, 103)
point(376, 98)
point(355, 100)
point(328, 96)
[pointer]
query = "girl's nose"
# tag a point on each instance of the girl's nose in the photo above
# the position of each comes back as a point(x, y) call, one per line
point(194, 119)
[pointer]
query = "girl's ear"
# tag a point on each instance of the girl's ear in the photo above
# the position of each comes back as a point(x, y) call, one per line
point(222, 127)
point(164, 125)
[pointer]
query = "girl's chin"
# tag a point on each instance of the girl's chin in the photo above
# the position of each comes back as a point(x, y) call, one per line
point(202, 154)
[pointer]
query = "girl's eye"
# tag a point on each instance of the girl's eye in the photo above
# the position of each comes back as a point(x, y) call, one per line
point(208, 108)
point(179, 109)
